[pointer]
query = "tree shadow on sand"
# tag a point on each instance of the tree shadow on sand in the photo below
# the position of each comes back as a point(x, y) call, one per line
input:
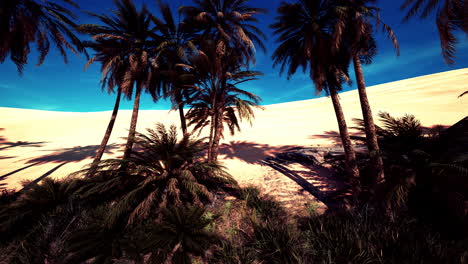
point(334, 136)
point(62, 156)
point(328, 189)
point(251, 152)
point(5, 144)
point(360, 137)
point(7, 157)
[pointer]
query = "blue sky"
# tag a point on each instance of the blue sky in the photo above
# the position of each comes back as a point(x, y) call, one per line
point(67, 87)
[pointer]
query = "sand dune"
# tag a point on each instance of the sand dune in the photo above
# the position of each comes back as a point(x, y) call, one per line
point(36, 144)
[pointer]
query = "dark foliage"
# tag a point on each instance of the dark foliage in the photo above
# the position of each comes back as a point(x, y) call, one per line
point(426, 172)
point(26, 22)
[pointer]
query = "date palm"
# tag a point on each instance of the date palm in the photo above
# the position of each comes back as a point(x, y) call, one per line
point(229, 24)
point(451, 15)
point(113, 67)
point(216, 102)
point(356, 34)
point(176, 40)
point(305, 32)
point(26, 22)
point(132, 33)
point(163, 171)
point(182, 233)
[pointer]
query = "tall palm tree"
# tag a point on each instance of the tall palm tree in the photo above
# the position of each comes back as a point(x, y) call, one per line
point(132, 32)
point(176, 40)
point(305, 32)
point(229, 24)
point(357, 37)
point(113, 67)
point(452, 15)
point(216, 101)
point(23, 22)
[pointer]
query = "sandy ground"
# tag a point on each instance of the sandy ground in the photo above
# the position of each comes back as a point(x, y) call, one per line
point(37, 144)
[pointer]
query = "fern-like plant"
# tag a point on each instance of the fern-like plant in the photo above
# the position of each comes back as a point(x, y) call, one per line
point(163, 170)
point(181, 234)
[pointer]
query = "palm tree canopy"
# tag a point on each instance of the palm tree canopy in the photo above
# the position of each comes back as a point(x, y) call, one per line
point(305, 33)
point(358, 21)
point(23, 22)
point(229, 23)
point(451, 15)
point(235, 103)
point(176, 40)
point(126, 45)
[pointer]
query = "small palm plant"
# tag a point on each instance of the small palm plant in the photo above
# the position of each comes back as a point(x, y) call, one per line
point(23, 214)
point(165, 170)
point(422, 168)
point(182, 233)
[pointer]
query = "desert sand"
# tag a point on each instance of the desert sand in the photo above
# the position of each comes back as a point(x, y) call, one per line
point(36, 144)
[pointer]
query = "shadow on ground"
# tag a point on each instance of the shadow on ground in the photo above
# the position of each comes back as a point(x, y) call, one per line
point(334, 136)
point(6, 144)
point(314, 178)
point(251, 152)
point(62, 157)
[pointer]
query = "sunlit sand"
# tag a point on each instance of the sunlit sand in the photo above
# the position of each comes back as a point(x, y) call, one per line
point(36, 144)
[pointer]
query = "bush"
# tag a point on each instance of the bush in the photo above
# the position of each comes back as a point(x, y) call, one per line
point(366, 236)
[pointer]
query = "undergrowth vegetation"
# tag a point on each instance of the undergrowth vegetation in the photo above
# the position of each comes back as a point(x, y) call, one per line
point(167, 204)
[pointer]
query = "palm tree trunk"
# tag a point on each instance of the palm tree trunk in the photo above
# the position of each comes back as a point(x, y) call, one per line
point(133, 123)
point(107, 135)
point(183, 122)
point(350, 155)
point(213, 126)
point(171, 254)
point(371, 135)
point(210, 140)
point(217, 135)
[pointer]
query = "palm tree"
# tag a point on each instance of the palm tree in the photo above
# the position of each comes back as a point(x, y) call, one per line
point(305, 36)
point(182, 233)
point(113, 67)
point(216, 101)
point(357, 36)
point(229, 24)
point(132, 33)
point(164, 171)
point(22, 215)
point(452, 15)
point(23, 22)
point(176, 40)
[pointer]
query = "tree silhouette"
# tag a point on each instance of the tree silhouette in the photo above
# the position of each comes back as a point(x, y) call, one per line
point(305, 31)
point(24, 22)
